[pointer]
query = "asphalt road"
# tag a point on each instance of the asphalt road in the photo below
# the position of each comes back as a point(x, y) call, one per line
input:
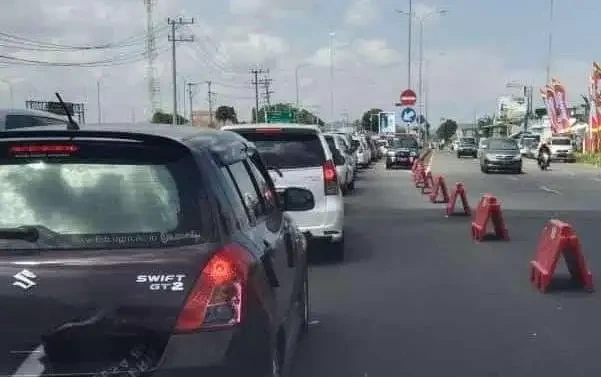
point(417, 297)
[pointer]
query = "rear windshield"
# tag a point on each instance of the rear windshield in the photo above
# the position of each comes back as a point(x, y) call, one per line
point(561, 142)
point(404, 143)
point(468, 141)
point(288, 150)
point(115, 199)
point(503, 144)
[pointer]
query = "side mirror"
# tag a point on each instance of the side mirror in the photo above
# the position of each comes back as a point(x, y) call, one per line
point(297, 199)
point(339, 159)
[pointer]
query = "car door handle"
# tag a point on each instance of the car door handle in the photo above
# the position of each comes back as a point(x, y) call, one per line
point(267, 261)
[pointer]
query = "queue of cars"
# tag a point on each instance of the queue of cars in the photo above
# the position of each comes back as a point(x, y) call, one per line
point(178, 249)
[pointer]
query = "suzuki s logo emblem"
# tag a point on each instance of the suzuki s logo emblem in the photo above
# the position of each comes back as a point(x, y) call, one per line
point(24, 279)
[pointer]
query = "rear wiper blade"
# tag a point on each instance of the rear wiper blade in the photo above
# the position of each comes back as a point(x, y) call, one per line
point(29, 233)
point(25, 233)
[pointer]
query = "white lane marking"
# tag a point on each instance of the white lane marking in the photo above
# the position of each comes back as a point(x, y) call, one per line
point(314, 322)
point(32, 366)
point(597, 179)
point(547, 189)
point(511, 177)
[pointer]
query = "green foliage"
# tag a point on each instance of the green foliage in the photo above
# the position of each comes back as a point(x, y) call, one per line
point(370, 121)
point(447, 129)
point(167, 118)
point(226, 113)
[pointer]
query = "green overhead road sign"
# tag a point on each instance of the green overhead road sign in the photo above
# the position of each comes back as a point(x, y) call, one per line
point(281, 116)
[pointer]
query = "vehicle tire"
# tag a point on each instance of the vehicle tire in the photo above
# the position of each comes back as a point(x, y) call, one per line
point(351, 186)
point(458, 155)
point(475, 155)
point(484, 169)
point(337, 250)
point(387, 166)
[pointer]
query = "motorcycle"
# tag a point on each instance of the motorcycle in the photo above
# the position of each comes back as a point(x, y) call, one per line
point(544, 160)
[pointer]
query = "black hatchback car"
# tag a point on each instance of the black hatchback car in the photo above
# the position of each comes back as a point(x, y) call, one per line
point(152, 250)
point(402, 152)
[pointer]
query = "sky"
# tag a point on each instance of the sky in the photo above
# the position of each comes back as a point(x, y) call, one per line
point(469, 54)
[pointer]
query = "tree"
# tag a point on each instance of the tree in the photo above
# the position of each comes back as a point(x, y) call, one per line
point(447, 129)
point(167, 118)
point(370, 120)
point(225, 114)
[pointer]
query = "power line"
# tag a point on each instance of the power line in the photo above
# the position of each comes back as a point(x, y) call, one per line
point(173, 38)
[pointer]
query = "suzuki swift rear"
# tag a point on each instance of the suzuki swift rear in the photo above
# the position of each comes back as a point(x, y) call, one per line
point(111, 265)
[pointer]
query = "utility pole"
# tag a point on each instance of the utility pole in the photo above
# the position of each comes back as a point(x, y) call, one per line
point(190, 95)
point(173, 38)
point(332, 107)
point(210, 97)
point(409, 41)
point(255, 73)
point(266, 82)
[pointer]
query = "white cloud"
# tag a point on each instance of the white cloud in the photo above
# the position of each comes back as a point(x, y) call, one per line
point(371, 52)
point(361, 13)
point(270, 8)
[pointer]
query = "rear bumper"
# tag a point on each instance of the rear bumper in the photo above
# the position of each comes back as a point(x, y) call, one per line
point(466, 152)
point(332, 227)
point(243, 350)
point(400, 161)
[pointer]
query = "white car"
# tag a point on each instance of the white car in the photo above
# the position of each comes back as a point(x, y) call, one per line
point(298, 155)
point(363, 153)
point(342, 162)
point(562, 149)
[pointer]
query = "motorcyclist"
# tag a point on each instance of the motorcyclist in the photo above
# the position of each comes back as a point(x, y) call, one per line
point(542, 149)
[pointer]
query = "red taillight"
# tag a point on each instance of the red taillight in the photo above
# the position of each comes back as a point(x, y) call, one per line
point(269, 129)
point(330, 178)
point(46, 149)
point(216, 300)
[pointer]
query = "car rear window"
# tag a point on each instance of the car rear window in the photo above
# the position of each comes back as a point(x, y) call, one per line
point(101, 196)
point(561, 142)
point(288, 150)
point(468, 141)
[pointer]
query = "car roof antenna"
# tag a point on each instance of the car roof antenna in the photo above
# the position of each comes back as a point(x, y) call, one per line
point(72, 123)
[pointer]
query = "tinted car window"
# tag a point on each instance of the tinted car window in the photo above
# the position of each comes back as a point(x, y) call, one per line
point(561, 142)
point(404, 143)
point(20, 121)
point(288, 150)
point(111, 202)
point(503, 144)
point(247, 190)
point(468, 141)
point(43, 121)
point(241, 214)
point(269, 197)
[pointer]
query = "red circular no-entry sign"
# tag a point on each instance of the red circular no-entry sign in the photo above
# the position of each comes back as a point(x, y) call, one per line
point(408, 97)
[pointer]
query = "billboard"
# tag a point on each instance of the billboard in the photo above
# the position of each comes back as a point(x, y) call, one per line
point(512, 109)
point(387, 122)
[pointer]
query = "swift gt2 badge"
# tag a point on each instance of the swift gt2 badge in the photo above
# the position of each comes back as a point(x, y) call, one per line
point(172, 282)
point(25, 279)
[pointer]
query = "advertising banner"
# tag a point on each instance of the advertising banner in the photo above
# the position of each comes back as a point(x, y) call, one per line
point(563, 117)
point(387, 122)
point(512, 109)
point(594, 140)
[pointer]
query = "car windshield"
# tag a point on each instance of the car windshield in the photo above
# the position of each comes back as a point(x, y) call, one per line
point(503, 144)
point(561, 141)
point(404, 143)
point(288, 150)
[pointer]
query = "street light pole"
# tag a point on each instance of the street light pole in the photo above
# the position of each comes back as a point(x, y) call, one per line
point(98, 99)
point(296, 83)
point(550, 42)
point(332, 35)
point(409, 41)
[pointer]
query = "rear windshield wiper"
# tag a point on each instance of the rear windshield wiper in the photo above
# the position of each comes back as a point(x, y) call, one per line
point(29, 233)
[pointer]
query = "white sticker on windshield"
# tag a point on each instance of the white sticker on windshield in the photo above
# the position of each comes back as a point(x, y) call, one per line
point(162, 282)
